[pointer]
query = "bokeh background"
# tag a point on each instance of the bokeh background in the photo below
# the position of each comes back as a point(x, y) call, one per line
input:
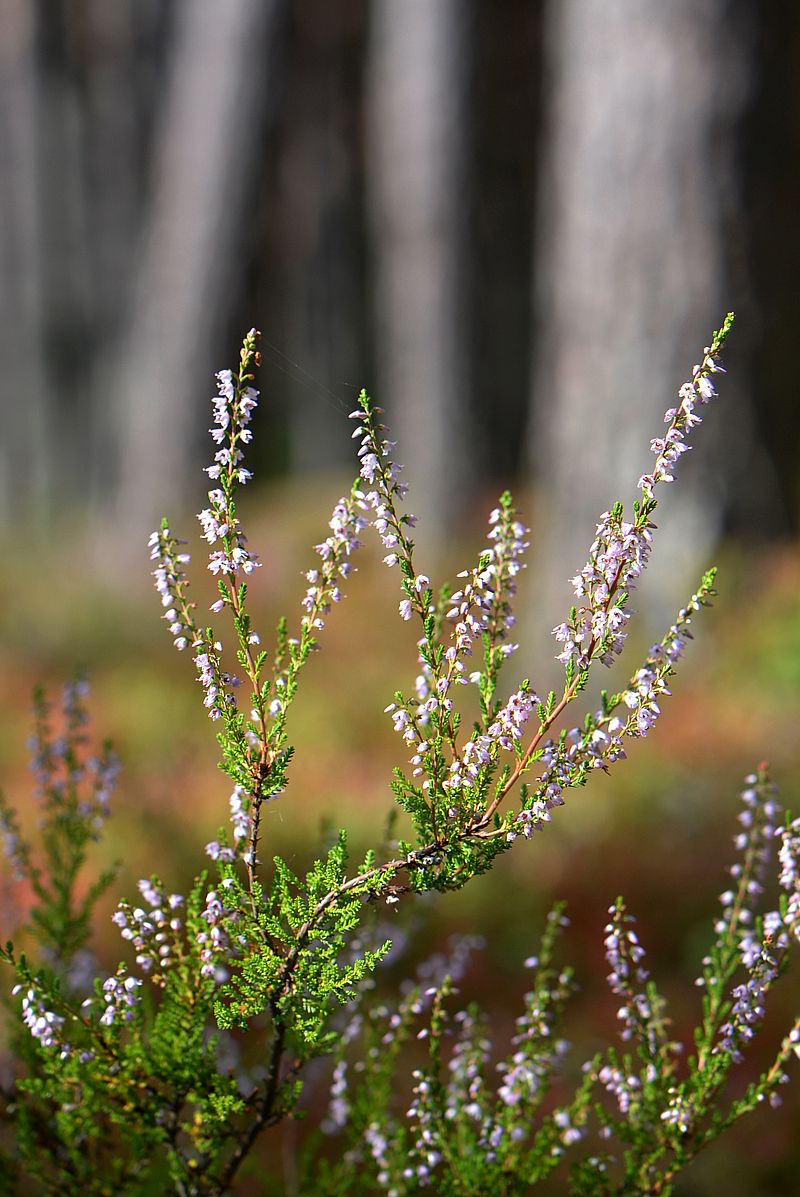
point(516, 224)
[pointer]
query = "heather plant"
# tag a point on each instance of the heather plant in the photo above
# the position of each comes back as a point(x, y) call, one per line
point(166, 1074)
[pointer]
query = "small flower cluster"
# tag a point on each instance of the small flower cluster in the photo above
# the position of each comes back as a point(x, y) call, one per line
point(154, 933)
point(216, 944)
point(56, 759)
point(172, 585)
point(758, 819)
point(600, 742)
point(538, 1052)
point(466, 1086)
point(649, 682)
point(789, 878)
point(233, 405)
point(42, 1023)
point(508, 535)
point(121, 996)
point(618, 556)
point(621, 548)
point(624, 954)
point(624, 1087)
point(216, 682)
point(481, 751)
point(102, 773)
point(682, 419)
point(240, 806)
point(70, 783)
point(345, 523)
point(483, 603)
point(422, 1116)
point(383, 490)
point(761, 943)
point(16, 849)
point(566, 764)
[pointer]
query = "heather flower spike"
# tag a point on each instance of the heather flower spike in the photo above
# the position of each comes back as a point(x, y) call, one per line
point(621, 548)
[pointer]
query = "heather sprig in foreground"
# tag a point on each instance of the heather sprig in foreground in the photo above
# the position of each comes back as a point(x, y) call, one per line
point(164, 1075)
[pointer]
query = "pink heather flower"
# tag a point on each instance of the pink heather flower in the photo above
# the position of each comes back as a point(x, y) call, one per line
point(620, 549)
point(42, 1023)
point(172, 585)
point(345, 523)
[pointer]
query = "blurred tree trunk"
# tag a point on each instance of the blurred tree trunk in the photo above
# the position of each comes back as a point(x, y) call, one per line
point(417, 73)
point(159, 379)
point(46, 288)
point(25, 452)
point(315, 234)
point(73, 134)
point(636, 264)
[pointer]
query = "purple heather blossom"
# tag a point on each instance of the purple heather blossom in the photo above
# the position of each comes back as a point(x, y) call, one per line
point(383, 486)
point(345, 523)
point(215, 944)
point(625, 1088)
point(617, 557)
point(621, 549)
point(482, 604)
point(171, 584)
point(219, 852)
point(121, 996)
point(600, 743)
point(153, 933)
point(679, 1112)
point(233, 409)
point(758, 818)
point(624, 954)
point(239, 803)
point(42, 1023)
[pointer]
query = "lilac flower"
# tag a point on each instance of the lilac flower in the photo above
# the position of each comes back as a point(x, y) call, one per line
point(345, 524)
point(215, 681)
point(121, 996)
point(239, 803)
point(758, 817)
point(382, 492)
point(216, 943)
point(155, 934)
point(219, 852)
point(621, 549)
point(639, 1013)
point(101, 774)
point(600, 742)
point(625, 1088)
point(378, 1146)
point(171, 583)
point(618, 556)
point(339, 1107)
point(42, 1023)
point(682, 419)
point(425, 1155)
point(481, 752)
point(233, 406)
point(789, 878)
point(482, 605)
